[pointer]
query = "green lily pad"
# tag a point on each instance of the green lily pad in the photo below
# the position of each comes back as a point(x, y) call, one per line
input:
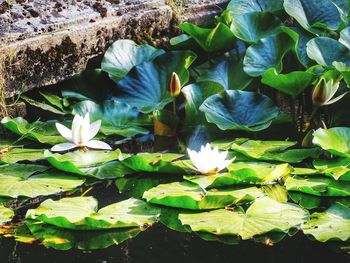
point(217, 39)
point(146, 85)
point(118, 118)
point(239, 110)
point(191, 196)
point(318, 185)
point(267, 53)
point(243, 173)
point(334, 140)
point(6, 214)
point(314, 16)
point(274, 151)
point(263, 216)
point(14, 155)
point(44, 132)
point(333, 224)
point(325, 51)
point(292, 83)
point(276, 192)
point(338, 169)
point(19, 180)
point(63, 239)
point(80, 213)
point(227, 71)
point(125, 54)
point(92, 163)
point(305, 200)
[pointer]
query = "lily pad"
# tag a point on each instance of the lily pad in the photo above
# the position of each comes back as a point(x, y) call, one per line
point(263, 216)
point(19, 180)
point(292, 83)
point(14, 155)
point(325, 51)
point(334, 140)
point(217, 39)
point(80, 213)
point(318, 185)
point(333, 224)
point(44, 132)
point(92, 163)
point(125, 54)
point(118, 118)
point(239, 110)
point(191, 196)
point(6, 214)
point(338, 169)
point(146, 85)
point(314, 16)
point(243, 173)
point(63, 239)
point(267, 53)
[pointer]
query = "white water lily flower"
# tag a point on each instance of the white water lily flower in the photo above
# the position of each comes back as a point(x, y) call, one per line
point(80, 135)
point(209, 161)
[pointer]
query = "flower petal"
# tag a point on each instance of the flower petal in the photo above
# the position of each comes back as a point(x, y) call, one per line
point(95, 144)
point(94, 128)
point(62, 147)
point(64, 131)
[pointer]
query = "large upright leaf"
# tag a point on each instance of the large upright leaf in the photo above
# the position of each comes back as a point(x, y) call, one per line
point(254, 19)
point(334, 140)
point(263, 216)
point(18, 180)
point(239, 110)
point(44, 132)
point(125, 54)
point(117, 117)
point(325, 51)
point(227, 71)
point(146, 85)
point(333, 224)
point(292, 83)
point(81, 213)
point(315, 16)
point(219, 38)
point(267, 53)
point(191, 196)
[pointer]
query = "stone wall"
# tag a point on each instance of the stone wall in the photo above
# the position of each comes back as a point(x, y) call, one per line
point(43, 43)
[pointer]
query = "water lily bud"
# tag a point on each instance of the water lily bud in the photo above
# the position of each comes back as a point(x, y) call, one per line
point(319, 95)
point(174, 85)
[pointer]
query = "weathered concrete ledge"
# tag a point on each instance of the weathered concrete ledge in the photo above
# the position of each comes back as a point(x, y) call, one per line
point(57, 40)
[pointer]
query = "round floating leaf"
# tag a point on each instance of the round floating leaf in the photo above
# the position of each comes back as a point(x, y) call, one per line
point(14, 155)
point(334, 140)
point(315, 16)
point(292, 83)
point(125, 54)
point(239, 110)
point(118, 118)
point(93, 163)
point(333, 224)
point(305, 200)
point(243, 173)
point(317, 185)
point(81, 213)
point(227, 71)
point(146, 85)
point(6, 214)
point(267, 53)
point(17, 180)
point(44, 132)
point(219, 38)
point(338, 169)
point(325, 51)
point(190, 196)
point(63, 239)
point(263, 216)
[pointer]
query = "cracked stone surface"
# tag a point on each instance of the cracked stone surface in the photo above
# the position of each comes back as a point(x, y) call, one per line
point(44, 42)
